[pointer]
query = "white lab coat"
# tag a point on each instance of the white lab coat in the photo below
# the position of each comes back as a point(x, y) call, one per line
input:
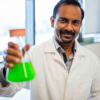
point(53, 82)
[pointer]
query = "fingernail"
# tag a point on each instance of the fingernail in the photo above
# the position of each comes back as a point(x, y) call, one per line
point(11, 65)
point(17, 60)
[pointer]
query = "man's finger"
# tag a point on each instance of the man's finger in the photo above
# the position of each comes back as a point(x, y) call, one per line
point(13, 45)
point(10, 58)
point(26, 48)
point(14, 52)
point(9, 65)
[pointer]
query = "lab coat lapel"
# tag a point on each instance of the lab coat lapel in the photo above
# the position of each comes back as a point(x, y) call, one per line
point(76, 60)
point(78, 55)
point(58, 58)
point(50, 48)
point(71, 80)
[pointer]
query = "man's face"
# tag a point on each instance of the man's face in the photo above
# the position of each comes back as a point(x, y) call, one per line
point(67, 23)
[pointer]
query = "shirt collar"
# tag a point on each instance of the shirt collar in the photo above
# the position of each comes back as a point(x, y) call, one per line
point(60, 49)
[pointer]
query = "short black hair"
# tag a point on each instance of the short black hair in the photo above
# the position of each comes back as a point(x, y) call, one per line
point(67, 2)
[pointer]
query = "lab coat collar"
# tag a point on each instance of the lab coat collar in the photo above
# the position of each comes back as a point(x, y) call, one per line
point(50, 47)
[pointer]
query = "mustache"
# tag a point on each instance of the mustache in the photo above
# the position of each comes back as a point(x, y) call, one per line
point(66, 32)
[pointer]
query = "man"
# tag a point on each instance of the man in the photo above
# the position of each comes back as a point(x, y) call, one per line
point(64, 69)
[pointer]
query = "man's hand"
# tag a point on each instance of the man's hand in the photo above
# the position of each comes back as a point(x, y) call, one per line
point(13, 54)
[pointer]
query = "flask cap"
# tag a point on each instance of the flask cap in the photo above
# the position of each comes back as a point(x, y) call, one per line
point(17, 32)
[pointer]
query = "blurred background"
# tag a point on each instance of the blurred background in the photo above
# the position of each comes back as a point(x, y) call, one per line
point(34, 16)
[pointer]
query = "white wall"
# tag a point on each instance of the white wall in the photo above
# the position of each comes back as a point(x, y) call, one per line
point(92, 16)
point(94, 47)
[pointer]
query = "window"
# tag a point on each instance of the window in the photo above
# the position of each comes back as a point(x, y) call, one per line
point(43, 12)
point(12, 16)
point(91, 29)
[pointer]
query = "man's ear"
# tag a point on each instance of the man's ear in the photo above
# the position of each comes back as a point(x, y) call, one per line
point(52, 21)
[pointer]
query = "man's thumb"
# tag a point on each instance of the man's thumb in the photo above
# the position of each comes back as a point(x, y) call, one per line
point(26, 48)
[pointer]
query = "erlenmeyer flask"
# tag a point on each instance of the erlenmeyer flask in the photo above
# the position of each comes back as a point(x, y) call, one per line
point(24, 70)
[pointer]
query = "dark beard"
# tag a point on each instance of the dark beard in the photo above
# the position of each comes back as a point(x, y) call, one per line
point(66, 32)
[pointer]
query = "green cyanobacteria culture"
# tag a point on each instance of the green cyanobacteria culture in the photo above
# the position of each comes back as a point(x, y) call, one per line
point(24, 70)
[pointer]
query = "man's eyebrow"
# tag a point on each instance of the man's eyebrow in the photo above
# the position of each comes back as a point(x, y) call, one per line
point(63, 18)
point(77, 20)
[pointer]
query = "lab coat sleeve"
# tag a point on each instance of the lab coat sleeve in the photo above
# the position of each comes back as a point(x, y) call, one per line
point(95, 90)
point(9, 89)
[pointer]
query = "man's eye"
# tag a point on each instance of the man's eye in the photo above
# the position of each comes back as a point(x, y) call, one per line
point(62, 20)
point(76, 23)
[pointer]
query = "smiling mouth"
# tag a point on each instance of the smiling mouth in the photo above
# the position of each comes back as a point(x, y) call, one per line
point(67, 36)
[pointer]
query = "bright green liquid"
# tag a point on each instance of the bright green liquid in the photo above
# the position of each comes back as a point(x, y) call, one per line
point(21, 72)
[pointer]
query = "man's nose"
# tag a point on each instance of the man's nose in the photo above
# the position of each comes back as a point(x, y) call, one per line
point(69, 26)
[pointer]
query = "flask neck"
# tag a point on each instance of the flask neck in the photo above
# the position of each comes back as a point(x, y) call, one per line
point(20, 42)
